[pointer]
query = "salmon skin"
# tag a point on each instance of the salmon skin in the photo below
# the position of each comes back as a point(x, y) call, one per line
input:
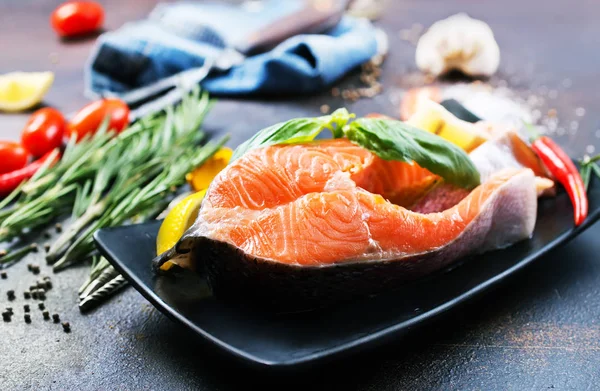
point(308, 224)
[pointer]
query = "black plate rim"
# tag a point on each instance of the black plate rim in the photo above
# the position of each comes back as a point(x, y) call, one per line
point(347, 347)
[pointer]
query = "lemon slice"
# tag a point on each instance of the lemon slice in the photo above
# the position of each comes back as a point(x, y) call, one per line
point(434, 118)
point(201, 177)
point(23, 90)
point(178, 220)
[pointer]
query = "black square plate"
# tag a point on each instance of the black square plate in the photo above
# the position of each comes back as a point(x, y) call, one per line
point(286, 340)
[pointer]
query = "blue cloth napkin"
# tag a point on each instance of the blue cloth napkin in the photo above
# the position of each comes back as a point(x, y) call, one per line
point(174, 39)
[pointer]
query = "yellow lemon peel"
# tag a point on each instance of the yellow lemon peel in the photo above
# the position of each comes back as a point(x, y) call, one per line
point(23, 90)
point(202, 176)
point(177, 221)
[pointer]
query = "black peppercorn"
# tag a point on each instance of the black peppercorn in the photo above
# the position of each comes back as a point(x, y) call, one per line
point(41, 306)
point(42, 295)
point(35, 269)
point(26, 308)
point(55, 318)
point(58, 227)
point(27, 318)
point(29, 266)
point(10, 294)
point(66, 327)
point(47, 235)
point(46, 315)
point(3, 275)
point(46, 247)
point(34, 294)
point(27, 295)
point(9, 310)
point(6, 316)
point(48, 285)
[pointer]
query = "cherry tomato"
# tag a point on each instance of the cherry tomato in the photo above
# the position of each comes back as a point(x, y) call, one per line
point(77, 17)
point(44, 131)
point(12, 156)
point(88, 119)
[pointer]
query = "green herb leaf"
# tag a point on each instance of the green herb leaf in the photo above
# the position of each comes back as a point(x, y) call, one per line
point(395, 140)
point(298, 130)
point(586, 171)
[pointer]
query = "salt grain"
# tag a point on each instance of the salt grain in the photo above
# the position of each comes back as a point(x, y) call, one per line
point(590, 149)
point(574, 125)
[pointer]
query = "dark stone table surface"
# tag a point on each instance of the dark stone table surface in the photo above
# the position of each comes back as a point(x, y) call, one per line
point(540, 330)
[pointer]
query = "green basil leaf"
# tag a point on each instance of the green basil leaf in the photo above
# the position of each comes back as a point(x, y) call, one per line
point(395, 140)
point(294, 131)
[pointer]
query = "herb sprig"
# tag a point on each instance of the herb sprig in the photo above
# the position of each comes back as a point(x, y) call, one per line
point(589, 165)
point(107, 180)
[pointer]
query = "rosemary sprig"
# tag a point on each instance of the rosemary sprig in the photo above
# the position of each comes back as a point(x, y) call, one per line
point(106, 179)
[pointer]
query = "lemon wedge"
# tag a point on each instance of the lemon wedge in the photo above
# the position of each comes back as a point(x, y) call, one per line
point(201, 177)
point(177, 221)
point(434, 118)
point(23, 90)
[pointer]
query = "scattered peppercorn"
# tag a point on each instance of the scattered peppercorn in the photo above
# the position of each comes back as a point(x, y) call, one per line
point(48, 285)
point(66, 327)
point(47, 235)
point(27, 318)
point(29, 266)
point(26, 308)
point(42, 295)
point(46, 247)
point(10, 294)
point(3, 275)
point(41, 306)
point(9, 310)
point(46, 315)
point(6, 316)
point(58, 227)
point(55, 318)
point(27, 295)
point(35, 269)
point(34, 294)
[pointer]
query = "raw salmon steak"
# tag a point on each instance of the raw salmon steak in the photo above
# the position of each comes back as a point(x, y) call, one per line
point(329, 219)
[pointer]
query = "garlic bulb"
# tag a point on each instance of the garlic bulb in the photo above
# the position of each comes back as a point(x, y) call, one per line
point(458, 42)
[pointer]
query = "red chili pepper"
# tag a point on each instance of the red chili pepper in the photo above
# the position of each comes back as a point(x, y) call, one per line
point(563, 169)
point(11, 180)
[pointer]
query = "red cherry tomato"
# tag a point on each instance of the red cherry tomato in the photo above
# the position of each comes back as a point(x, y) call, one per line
point(88, 119)
point(77, 17)
point(12, 156)
point(44, 131)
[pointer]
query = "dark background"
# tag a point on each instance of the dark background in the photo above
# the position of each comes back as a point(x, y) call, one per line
point(540, 330)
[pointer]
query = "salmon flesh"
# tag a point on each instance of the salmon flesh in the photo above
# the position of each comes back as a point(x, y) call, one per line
point(306, 220)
